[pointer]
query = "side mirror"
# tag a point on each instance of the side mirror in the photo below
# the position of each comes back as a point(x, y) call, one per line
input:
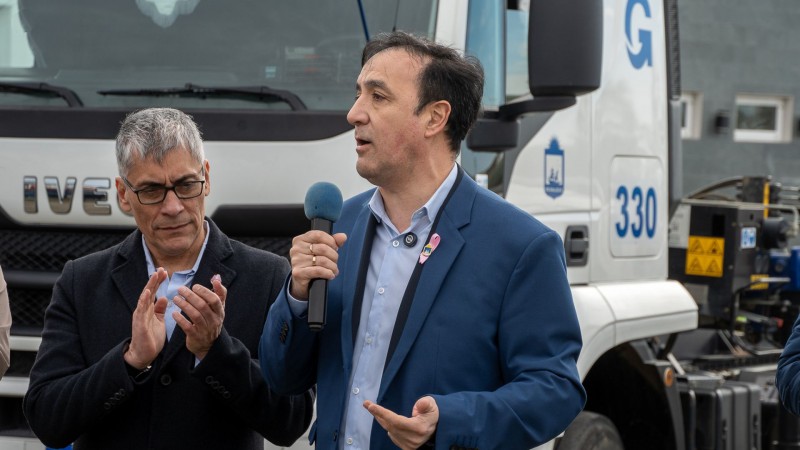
point(565, 54)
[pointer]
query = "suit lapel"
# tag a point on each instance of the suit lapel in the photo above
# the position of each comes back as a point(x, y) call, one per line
point(130, 272)
point(435, 270)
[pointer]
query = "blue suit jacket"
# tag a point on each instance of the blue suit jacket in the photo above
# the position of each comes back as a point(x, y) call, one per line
point(787, 379)
point(492, 332)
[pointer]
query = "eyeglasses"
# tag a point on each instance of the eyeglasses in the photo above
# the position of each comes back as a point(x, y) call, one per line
point(153, 195)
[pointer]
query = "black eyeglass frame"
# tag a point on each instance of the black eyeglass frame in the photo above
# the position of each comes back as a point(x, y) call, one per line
point(165, 189)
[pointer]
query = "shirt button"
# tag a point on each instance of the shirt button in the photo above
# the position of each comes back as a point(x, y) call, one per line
point(369, 339)
point(355, 391)
point(395, 243)
point(349, 441)
point(381, 290)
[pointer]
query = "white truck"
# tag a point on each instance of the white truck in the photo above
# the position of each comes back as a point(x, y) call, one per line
point(581, 129)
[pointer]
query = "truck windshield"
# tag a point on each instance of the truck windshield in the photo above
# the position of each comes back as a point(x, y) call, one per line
point(217, 54)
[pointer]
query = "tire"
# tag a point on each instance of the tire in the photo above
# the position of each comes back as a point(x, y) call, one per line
point(591, 431)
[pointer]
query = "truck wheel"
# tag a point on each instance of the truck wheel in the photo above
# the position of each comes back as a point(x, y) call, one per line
point(591, 431)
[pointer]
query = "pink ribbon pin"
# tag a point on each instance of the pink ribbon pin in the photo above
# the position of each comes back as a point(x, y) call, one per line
point(429, 248)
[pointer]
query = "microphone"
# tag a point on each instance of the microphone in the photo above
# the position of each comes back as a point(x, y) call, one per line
point(323, 206)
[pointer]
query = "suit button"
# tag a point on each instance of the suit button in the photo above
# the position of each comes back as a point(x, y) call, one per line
point(226, 394)
point(284, 332)
point(107, 405)
point(166, 379)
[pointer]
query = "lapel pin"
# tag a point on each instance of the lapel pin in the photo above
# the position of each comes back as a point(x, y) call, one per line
point(429, 248)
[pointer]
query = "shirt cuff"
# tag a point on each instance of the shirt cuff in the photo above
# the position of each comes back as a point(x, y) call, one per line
point(299, 308)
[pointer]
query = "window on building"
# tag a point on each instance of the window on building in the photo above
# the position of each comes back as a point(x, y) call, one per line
point(691, 115)
point(763, 118)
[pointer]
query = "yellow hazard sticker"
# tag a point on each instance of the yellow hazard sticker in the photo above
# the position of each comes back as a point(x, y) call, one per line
point(755, 278)
point(704, 256)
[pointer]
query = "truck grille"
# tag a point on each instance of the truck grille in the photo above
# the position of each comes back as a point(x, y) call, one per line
point(27, 310)
point(49, 251)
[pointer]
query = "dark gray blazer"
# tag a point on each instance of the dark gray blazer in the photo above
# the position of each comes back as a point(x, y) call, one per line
point(81, 391)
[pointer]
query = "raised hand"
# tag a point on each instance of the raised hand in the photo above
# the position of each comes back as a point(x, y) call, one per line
point(314, 255)
point(148, 332)
point(206, 311)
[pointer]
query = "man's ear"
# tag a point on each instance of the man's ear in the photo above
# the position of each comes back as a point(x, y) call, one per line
point(123, 202)
point(437, 113)
point(207, 186)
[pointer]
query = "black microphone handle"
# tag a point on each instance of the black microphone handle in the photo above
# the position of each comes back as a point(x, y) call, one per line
point(317, 304)
point(318, 288)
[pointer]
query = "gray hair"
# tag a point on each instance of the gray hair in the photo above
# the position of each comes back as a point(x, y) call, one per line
point(153, 133)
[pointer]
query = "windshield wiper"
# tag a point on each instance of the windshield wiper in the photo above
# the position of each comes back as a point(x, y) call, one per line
point(67, 94)
point(255, 93)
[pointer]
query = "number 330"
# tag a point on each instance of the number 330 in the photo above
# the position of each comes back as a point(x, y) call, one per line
point(644, 212)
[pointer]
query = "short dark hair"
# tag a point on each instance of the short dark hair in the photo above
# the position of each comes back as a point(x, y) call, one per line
point(447, 76)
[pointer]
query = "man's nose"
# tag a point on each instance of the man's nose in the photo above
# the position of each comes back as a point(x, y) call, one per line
point(357, 114)
point(171, 202)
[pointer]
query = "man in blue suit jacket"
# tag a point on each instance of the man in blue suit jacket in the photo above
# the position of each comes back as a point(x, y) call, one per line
point(787, 378)
point(450, 319)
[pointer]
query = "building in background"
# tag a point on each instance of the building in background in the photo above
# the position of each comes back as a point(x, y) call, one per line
point(740, 68)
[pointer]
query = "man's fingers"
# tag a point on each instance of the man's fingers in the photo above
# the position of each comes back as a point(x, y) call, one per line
point(380, 413)
point(316, 248)
point(188, 307)
point(156, 279)
point(205, 300)
point(219, 288)
point(160, 307)
point(144, 300)
point(146, 297)
point(405, 432)
point(340, 239)
point(202, 305)
point(424, 405)
point(182, 322)
point(314, 255)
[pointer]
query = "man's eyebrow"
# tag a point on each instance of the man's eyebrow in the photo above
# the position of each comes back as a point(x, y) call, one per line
point(187, 177)
point(373, 84)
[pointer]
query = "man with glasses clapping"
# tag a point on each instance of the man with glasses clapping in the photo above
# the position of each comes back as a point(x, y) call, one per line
point(152, 343)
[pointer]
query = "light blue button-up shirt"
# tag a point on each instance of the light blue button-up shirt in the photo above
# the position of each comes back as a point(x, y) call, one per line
point(390, 266)
point(169, 287)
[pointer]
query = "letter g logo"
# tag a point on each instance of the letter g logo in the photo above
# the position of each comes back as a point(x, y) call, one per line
point(640, 51)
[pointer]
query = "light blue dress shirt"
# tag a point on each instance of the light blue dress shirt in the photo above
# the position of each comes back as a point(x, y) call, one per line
point(169, 287)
